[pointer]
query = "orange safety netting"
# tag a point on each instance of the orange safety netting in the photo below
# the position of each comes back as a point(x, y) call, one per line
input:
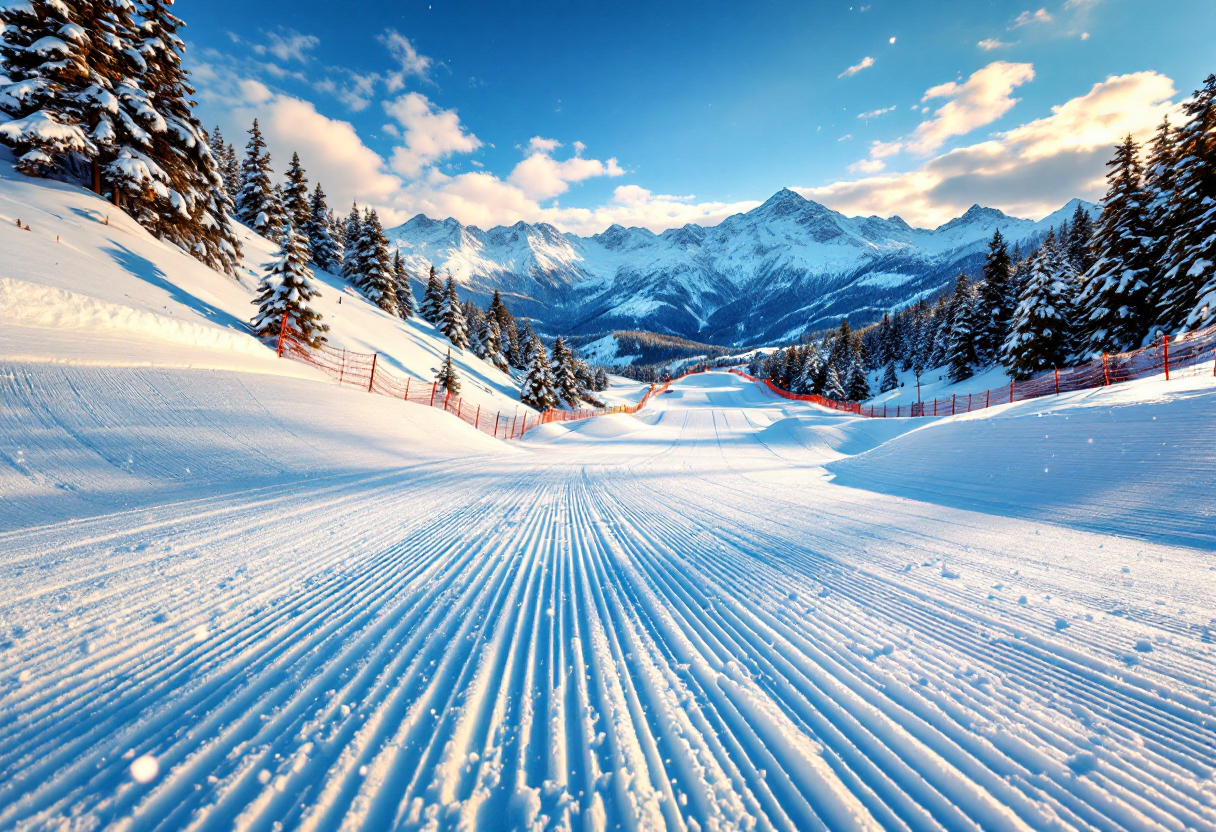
point(1183, 355)
point(362, 371)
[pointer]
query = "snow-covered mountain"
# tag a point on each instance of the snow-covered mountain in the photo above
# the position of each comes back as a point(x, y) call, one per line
point(786, 266)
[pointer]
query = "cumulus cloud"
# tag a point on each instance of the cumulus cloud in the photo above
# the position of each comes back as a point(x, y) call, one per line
point(866, 63)
point(429, 134)
point(980, 100)
point(1028, 171)
point(867, 166)
point(541, 177)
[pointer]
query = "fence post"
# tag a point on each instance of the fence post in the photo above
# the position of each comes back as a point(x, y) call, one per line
point(1165, 343)
point(1105, 370)
point(987, 397)
point(477, 421)
point(1011, 391)
point(968, 402)
point(953, 403)
point(447, 394)
point(935, 407)
point(372, 380)
point(342, 368)
point(434, 385)
point(406, 397)
point(514, 422)
point(459, 405)
point(282, 328)
point(1058, 380)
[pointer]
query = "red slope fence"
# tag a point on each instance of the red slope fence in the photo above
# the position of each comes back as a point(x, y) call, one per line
point(365, 372)
point(1184, 355)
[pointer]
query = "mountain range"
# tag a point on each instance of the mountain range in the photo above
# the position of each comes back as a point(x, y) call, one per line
point(766, 276)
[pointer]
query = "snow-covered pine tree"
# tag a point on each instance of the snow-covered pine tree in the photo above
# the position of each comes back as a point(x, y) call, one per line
point(960, 349)
point(993, 308)
point(405, 292)
point(1160, 175)
point(943, 314)
point(288, 287)
point(809, 371)
point(1113, 303)
point(1039, 337)
point(276, 216)
point(565, 373)
point(226, 161)
point(889, 379)
point(432, 299)
point(451, 321)
point(295, 194)
point(256, 192)
point(446, 377)
point(375, 278)
point(320, 240)
point(857, 387)
point(1079, 235)
point(538, 387)
point(352, 230)
point(195, 212)
point(833, 388)
point(337, 233)
point(477, 344)
point(1189, 300)
point(492, 340)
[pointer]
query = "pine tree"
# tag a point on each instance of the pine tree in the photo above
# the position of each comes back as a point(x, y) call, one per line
point(1114, 297)
point(889, 379)
point(226, 161)
point(538, 387)
point(446, 378)
point(993, 307)
point(351, 256)
point(565, 374)
point(1039, 339)
point(832, 387)
point(1188, 301)
point(375, 277)
point(494, 345)
point(1079, 236)
point(433, 299)
point(857, 388)
point(405, 293)
point(253, 199)
point(288, 287)
point(275, 217)
point(295, 194)
point(194, 213)
point(960, 349)
point(320, 240)
point(452, 322)
point(1160, 175)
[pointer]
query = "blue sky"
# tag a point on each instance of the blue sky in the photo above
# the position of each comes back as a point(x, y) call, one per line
point(660, 113)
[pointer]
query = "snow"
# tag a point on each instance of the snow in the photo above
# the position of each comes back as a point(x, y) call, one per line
point(234, 594)
point(88, 285)
point(727, 613)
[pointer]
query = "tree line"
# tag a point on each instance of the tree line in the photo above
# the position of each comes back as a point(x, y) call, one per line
point(95, 93)
point(1145, 268)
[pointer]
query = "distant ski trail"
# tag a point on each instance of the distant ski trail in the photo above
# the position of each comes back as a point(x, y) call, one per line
point(683, 627)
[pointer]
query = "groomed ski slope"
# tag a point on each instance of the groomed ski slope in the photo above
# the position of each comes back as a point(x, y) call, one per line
point(677, 621)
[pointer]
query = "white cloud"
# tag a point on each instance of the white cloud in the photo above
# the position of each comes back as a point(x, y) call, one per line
point(1028, 171)
point(876, 113)
point(980, 100)
point(1041, 16)
point(866, 63)
point(867, 166)
point(429, 134)
point(989, 44)
point(288, 45)
point(409, 62)
point(541, 177)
